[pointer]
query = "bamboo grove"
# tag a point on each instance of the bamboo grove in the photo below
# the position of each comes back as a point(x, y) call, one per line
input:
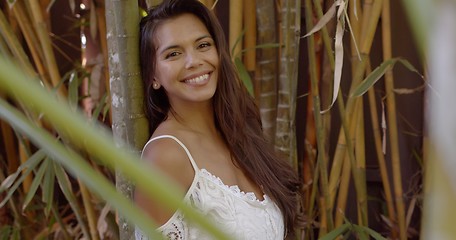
point(326, 75)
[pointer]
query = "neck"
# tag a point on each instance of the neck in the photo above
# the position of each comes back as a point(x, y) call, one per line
point(196, 117)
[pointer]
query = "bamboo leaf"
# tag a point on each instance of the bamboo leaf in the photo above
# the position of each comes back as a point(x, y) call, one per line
point(244, 75)
point(35, 184)
point(324, 19)
point(101, 104)
point(5, 232)
point(49, 6)
point(373, 77)
point(106, 109)
point(236, 43)
point(31, 163)
point(78, 166)
point(339, 52)
point(65, 186)
point(409, 66)
point(72, 4)
point(48, 187)
point(371, 232)
point(336, 232)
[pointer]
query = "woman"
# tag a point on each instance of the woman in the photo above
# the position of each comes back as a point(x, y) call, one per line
point(206, 131)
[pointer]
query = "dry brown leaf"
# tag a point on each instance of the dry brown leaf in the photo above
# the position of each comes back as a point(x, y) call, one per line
point(324, 19)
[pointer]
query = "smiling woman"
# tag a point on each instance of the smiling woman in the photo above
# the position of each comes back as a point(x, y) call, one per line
point(187, 60)
point(206, 132)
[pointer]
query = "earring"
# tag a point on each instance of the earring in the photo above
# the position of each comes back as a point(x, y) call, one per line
point(156, 86)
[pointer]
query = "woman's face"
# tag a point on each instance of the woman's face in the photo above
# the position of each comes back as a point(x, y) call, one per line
point(187, 60)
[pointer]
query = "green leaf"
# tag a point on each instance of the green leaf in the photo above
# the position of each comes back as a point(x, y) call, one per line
point(48, 187)
point(238, 40)
point(78, 166)
point(410, 67)
point(25, 168)
point(336, 232)
point(371, 232)
point(65, 186)
point(375, 75)
point(5, 232)
point(30, 163)
point(244, 75)
point(35, 184)
point(101, 104)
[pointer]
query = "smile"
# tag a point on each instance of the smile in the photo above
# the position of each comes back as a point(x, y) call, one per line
point(199, 79)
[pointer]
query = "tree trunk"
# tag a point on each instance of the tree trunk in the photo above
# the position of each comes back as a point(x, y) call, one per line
point(285, 139)
point(267, 66)
point(129, 124)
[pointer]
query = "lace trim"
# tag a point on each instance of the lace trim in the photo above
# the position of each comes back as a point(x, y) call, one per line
point(249, 196)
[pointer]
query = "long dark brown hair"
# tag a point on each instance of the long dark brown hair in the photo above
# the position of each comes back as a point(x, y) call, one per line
point(236, 114)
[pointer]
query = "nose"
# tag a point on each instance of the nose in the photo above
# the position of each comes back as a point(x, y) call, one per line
point(193, 59)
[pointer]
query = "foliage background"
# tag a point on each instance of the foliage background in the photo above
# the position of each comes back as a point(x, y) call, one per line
point(361, 159)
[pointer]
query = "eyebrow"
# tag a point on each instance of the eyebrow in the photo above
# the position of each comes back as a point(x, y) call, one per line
point(176, 46)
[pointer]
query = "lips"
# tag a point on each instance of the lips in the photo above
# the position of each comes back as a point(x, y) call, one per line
point(197, 80)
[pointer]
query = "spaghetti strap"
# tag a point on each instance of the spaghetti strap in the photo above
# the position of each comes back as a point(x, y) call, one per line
point(195, 167)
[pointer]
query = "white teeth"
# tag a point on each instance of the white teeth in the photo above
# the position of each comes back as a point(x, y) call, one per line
point(197, 79)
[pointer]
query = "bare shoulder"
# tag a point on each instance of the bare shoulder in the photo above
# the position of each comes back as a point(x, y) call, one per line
point(166, 155)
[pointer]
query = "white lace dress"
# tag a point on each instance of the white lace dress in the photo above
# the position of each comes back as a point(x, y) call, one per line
point(241, 215)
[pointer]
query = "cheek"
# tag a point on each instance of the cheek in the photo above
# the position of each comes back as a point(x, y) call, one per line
point(162, 73)
point(215, 61)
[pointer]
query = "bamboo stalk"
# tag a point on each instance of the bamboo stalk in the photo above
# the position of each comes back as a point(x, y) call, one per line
point(324, 31)
point(355, 14)
point(104, 49)
point(29, 36)
point(235, 30)
point(343, 193)
point(313, 198)
point(43, 36)
point(90, 212)
point(10, 148)
point(322, 164)
point(266, 76)
point(349, 131)
point(347, 169)
point(323, 221)
point(129, 123)
point(23, 156)
point(360, 152)
point(392, 120)
point(310, 146)
point(285, 138)
point(336, 167)
point(368, 31)
point(250, 34)
point(381, 160)
point(14, 46)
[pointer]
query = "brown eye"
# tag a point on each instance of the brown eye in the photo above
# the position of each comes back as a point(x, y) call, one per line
point(204, 45)
point(172, 54)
